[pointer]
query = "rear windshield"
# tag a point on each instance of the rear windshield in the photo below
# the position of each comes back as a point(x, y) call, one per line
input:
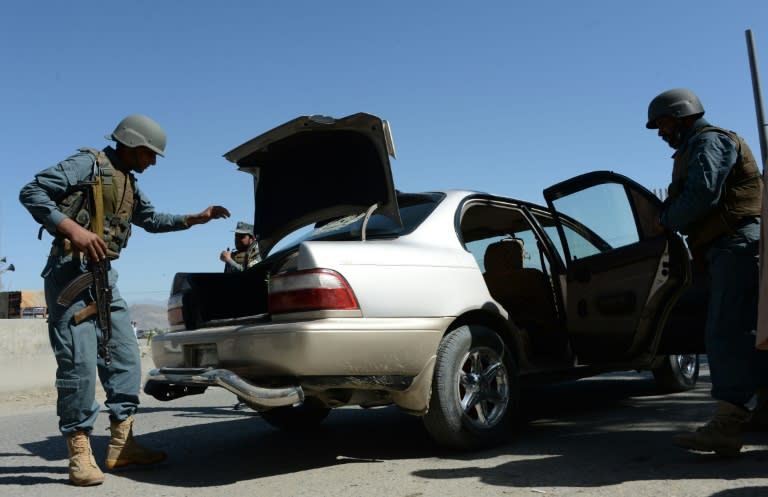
point(414, 209)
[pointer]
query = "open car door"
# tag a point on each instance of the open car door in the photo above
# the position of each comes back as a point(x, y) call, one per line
point(623, 273)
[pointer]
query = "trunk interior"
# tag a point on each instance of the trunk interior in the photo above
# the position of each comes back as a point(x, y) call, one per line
point(213, 299)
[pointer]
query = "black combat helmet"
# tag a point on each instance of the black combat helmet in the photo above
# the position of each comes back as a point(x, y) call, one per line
point(677, 102)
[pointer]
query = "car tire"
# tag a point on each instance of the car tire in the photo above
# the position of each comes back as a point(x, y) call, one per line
point(475, 390)
point(677, 373)
point(306, 416)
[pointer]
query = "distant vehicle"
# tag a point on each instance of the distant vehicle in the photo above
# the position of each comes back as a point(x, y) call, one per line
point(441, 303)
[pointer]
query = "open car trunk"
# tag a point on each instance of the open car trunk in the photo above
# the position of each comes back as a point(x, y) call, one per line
point(203, 300)
point(308, 170)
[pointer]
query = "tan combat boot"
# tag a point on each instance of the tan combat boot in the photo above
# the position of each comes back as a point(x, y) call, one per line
point(721, 435)
point(83, 470)
point(124, 450)
point(758, 420)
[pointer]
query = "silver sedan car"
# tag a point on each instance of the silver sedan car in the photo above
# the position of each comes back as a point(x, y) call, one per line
point(443, 303)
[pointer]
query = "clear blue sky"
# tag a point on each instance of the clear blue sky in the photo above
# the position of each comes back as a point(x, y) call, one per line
point(500, 96)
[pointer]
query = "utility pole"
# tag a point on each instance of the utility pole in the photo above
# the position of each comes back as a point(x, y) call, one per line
point(762, 128)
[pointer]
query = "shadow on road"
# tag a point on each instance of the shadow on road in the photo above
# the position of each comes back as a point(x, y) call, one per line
point(237, 445)
point(742, 492)
point(590, 433)
point(607, 431)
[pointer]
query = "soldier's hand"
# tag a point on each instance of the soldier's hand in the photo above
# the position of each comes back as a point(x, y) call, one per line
point(212, 212)
point(217, 212)
point(84, 240)
point(225, 255)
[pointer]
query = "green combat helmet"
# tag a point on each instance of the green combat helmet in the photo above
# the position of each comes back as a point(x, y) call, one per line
point(677, 102)
point(138, 130)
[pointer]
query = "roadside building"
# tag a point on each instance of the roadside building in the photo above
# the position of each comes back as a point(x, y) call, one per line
point(23, 304)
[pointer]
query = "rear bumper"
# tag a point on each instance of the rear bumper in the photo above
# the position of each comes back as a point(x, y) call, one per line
point(321, 347)
point(254, 395)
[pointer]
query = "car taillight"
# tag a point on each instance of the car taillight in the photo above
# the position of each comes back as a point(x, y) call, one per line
point(310, 290)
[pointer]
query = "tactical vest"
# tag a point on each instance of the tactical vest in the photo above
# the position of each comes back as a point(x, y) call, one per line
point(113, 193)
point(240, 257)
point(741, 197)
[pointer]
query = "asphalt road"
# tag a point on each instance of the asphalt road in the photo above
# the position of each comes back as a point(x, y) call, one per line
point(607, 436)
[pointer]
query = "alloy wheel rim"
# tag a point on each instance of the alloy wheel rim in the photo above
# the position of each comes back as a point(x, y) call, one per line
point(686, 363)
point(483, 387)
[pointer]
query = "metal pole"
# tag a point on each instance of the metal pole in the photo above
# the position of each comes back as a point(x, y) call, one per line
point(761, 341)
point(762, 126)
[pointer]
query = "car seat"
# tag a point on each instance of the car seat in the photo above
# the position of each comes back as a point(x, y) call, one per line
point(525, 293)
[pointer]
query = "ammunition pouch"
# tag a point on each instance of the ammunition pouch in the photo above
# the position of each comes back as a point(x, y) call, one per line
point(116, 233)
point(100, 205)
point(74, 206)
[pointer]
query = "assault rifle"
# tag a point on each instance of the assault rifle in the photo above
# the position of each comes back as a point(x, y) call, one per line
point(98, 278)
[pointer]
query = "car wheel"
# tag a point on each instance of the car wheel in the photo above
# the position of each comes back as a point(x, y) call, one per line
point(677, 373)
point(474, 390)
point(297, 418)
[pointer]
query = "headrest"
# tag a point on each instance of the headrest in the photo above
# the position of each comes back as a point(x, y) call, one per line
point(504, 255)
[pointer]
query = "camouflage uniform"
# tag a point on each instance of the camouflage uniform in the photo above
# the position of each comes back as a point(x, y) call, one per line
point(240, 260)
point(75, 346)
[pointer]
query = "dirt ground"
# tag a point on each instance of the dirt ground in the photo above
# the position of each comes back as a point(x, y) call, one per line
point(27, 382)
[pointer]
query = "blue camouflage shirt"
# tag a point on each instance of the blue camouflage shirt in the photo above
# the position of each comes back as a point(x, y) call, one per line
point(712, 155)
point(39, 196)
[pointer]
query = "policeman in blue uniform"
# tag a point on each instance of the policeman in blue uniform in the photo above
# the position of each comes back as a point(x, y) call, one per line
point(57, 199)
point(715, 200)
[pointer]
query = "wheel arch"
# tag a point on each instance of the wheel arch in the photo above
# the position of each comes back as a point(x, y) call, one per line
point(474, 401)
point(502, 326)
point(415, 400)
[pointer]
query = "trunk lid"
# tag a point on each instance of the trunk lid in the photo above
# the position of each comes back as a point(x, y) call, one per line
point(316, 168)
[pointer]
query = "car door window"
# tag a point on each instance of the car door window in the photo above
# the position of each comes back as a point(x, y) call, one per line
point(585, 245)
point(605, 220)
point(615, 299)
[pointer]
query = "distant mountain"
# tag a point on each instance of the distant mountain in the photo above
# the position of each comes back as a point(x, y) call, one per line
point(149, 316)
